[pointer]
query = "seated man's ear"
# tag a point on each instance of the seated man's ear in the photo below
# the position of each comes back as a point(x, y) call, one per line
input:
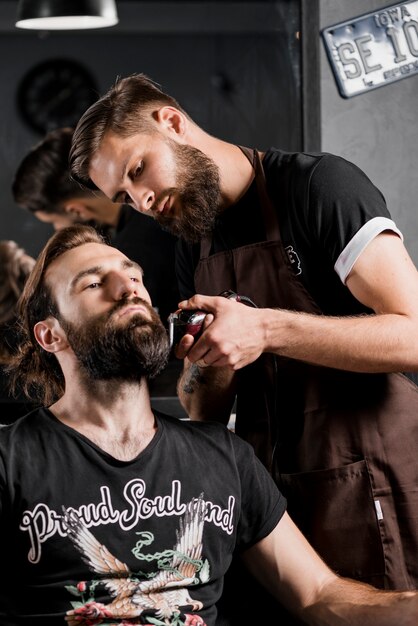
point(50, 335)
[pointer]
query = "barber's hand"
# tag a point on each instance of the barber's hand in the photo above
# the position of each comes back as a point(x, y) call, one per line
point(183, 347)
point(233, 334)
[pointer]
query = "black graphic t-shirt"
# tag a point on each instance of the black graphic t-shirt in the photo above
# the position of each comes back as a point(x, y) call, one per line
point(89, 539)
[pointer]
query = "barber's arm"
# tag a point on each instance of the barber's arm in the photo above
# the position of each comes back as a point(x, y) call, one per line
point(383, 278)
point(286, 564)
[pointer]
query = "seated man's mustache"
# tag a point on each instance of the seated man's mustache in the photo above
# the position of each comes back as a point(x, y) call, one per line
point(129, 301)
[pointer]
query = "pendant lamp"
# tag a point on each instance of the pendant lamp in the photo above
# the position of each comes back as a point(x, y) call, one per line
point(66, 14)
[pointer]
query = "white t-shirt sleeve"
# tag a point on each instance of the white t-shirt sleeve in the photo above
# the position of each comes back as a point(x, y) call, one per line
point(361, 239)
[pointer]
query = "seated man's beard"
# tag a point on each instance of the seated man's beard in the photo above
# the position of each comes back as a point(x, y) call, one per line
point(129, 352)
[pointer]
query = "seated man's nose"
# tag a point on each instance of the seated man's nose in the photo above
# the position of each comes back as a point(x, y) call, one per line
point(122, 287)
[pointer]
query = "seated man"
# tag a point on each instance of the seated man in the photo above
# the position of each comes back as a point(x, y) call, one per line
point(114, 514)
point(42, 185)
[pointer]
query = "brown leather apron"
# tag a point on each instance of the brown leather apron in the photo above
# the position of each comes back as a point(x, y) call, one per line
point(341, 446)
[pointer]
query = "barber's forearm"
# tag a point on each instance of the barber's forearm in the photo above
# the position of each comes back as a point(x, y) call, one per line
point(206, 393)
point(372, 343)
point(287, 565)
point(350, 603)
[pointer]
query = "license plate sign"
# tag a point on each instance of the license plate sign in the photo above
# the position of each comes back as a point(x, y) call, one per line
point(374, 49)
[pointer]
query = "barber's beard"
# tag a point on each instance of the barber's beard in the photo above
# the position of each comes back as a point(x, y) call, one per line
point(199, 192)
point(113, 352)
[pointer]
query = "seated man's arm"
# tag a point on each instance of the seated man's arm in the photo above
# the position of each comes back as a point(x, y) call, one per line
point(207, 393)
point(286, 564)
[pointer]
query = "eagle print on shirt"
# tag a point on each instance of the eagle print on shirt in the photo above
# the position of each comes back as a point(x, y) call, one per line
point(161, 596)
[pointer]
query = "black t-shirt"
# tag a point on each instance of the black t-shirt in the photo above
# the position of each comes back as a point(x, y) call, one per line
point(321, 200)
point(194, 496)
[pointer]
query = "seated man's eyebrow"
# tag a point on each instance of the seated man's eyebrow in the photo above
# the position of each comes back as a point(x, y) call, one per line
point(97, 269)
point(128, 264)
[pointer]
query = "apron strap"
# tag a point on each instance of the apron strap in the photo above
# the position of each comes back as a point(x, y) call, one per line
point(269, 214)
point(271, 224)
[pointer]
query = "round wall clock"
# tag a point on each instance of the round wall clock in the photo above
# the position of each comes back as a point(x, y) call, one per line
point(55, 93)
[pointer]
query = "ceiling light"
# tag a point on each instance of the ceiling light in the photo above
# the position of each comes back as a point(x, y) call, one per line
point(66, 14)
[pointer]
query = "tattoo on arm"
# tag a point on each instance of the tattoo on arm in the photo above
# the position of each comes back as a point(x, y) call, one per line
point(192, 378)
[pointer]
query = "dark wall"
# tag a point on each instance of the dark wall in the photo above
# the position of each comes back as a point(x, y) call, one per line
point(233, 66)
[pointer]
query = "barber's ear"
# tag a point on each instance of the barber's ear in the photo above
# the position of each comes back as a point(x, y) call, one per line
point(78, 209)
point(171, 120)
point(50, 335)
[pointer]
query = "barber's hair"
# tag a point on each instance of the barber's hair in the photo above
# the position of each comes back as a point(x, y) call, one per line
point(42, 181)
point(126, 109)
point(15, 266)
point(33, 370)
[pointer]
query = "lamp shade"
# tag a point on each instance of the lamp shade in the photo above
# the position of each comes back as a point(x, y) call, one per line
point(66, 14)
